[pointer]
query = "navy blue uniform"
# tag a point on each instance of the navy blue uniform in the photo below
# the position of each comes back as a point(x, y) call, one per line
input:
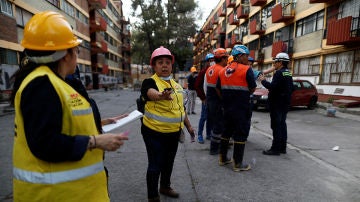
point(280, 90)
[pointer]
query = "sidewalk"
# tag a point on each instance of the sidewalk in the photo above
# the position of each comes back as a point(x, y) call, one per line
point(349, 113)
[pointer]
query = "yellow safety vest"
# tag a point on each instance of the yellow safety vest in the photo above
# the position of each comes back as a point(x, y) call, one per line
point(165, 116)
point(38, 180)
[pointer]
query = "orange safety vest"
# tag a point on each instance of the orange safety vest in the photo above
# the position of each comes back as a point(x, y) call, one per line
point(212, 75)
point(233, 77)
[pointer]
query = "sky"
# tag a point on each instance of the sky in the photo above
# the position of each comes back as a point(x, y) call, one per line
point(205, 5)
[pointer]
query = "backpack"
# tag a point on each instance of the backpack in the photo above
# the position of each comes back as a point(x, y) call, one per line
point(140, 102)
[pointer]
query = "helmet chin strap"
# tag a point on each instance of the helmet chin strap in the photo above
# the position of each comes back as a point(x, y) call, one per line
point(49, 58)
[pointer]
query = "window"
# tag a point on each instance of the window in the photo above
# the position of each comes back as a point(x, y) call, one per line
point(54, 2)
point(341, 68)
point(307, 66)
point(310, 24)
point(68, 8)
point(307, 85)
point(5, 7)
point(266, 11)
point(266, 40)
point(22, 16)
point(8, 57)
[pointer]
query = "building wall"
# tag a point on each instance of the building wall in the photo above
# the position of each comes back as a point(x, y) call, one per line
point(304, 47)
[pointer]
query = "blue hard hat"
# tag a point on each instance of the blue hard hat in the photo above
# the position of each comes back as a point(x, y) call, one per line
point(251, 59)
point(209, 56)
point(239, 49)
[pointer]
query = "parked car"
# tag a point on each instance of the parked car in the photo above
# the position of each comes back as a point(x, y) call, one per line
point(304, 94)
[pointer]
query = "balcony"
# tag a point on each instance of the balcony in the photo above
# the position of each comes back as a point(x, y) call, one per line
point(105, 69)
point(243, 12)
point(233, 19)
point(345, 31)
point(230, 3)
point(222, 12)
point(257, 2)
point(256, 28)
point(319, 1)
point(215, 20)
point(278, 47)
point(235, 39)
point(282, 13)
point(98, 24)
point(97, 4)
point(209, 27)
point(99, 47)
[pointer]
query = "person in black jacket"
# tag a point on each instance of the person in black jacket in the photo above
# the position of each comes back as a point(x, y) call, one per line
point(280, 90)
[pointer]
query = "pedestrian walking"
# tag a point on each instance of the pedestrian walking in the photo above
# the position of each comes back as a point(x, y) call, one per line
point(191, 91)
point(58, 152)
point(280, 90)
point(213, 101)
point(162, 123)
point(200, 91)
point(236, 83)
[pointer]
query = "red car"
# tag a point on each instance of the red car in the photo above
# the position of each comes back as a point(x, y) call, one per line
point(304, 94)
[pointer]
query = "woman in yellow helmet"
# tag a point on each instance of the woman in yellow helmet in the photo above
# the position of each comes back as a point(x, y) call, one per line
point(58, 153)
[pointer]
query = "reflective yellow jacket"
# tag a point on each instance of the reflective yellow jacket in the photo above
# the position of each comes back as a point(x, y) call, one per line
point(38, 180)
point(165, 116)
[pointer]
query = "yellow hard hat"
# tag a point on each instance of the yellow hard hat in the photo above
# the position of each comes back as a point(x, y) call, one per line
point(49, 31)
point(193, 69)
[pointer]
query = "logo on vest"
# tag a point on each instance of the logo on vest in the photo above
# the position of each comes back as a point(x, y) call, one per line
point(75, 100)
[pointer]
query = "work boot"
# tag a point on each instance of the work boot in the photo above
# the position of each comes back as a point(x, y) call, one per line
point(238, 155)
point(223, 159)
point(168, 191)
point(156, 199)
point(271, 152)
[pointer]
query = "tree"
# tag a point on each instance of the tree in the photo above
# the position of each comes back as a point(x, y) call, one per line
point(170, 24)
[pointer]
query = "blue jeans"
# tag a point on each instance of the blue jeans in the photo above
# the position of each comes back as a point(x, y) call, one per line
point(203, 117)
point(161, 151)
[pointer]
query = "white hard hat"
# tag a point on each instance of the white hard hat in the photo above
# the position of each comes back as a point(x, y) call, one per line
point(282, 57)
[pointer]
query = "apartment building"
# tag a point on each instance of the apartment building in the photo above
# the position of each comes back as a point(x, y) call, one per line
point(104, 57)
point(322, 38)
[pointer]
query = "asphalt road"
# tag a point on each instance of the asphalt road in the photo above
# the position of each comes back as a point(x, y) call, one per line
point(310, 171)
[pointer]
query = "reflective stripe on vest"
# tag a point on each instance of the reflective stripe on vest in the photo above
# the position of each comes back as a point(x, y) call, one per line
point(163, 118)
point(82, 111)
point(235, 88)
point(57, 177)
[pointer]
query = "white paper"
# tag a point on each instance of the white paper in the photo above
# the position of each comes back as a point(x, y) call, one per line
point(134, 115)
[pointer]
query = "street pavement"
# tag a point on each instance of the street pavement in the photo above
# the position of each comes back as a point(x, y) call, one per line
point(310, 171)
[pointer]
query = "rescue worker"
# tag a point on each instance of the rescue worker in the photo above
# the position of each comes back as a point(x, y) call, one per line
point(200, 91)
point(236, 83)
point(162, 123)
point(280, 90)
point(213, 102)
point(191, 91)
point(58, 152)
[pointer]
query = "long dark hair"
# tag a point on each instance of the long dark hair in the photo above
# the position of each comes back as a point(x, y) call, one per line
point(26, 67)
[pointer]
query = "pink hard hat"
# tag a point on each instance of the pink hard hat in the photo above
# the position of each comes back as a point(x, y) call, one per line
point(161, 52)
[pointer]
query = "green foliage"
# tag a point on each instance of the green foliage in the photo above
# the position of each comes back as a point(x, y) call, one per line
point(330, 99)
point(163, 23)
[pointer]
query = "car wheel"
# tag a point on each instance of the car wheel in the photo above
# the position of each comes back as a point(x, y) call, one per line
point(312, 103)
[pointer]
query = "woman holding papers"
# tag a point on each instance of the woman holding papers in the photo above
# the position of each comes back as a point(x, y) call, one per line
point(58, 152)
point(162, 122)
